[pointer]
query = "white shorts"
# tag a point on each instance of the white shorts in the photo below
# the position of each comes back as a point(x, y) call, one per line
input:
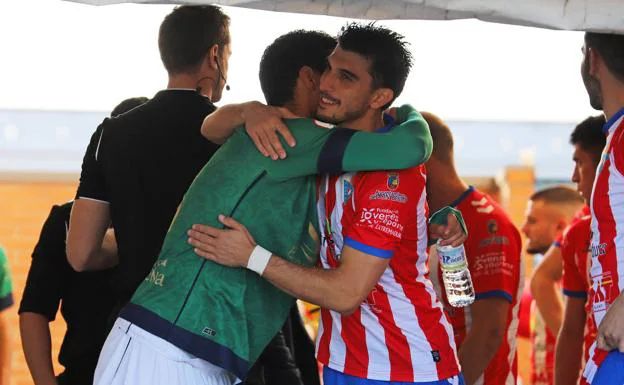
point(133, 356)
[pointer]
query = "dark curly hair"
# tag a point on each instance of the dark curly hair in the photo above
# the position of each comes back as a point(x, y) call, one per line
point(282, 60)
point(588, 135)
point(391, 61)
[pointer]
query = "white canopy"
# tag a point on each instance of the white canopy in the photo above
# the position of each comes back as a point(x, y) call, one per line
point(587, 15)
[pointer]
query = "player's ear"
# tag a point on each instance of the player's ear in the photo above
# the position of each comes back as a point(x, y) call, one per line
point(213, 56)
point(309, 78)
point(595, 61)
point(381, 97)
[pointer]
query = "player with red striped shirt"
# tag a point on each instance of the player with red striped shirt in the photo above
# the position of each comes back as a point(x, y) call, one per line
point(549, 212)
point(485, 332)
point(546, 307)
point(399, 333)
point(603, 75)
point(578, 330)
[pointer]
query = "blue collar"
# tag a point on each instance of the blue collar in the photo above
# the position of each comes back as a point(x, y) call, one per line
point(389, 121)
point(463, 196)
point(612, 121)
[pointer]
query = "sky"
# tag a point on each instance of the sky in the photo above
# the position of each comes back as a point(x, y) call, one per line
point(58, 55)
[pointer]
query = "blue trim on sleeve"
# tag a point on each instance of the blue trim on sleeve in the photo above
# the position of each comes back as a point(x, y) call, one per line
point(6, 301)
point(493, 294)
point(575, 294)
point(613, 119)
point(463, 196)
point(381, 253)
point(556, 244)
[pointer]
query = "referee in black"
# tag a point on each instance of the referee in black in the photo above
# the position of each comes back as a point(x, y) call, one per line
point(138, 166)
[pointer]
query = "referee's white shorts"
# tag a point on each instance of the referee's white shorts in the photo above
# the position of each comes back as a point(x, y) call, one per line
point(133, 356)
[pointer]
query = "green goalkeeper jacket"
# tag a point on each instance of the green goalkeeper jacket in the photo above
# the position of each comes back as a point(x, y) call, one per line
point(225, 315)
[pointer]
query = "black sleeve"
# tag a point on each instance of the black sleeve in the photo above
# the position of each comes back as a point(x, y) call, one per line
point(92, 184)
point(49, 271)
point(278, 363)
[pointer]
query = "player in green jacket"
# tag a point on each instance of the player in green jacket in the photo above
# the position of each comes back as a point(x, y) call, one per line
point(191, 308)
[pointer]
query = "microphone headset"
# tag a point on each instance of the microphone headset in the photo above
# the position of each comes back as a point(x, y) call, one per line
point(227, 86)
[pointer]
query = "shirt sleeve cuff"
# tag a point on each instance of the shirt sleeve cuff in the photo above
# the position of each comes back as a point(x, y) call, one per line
point(493, 294)
point(574, 294)
point(381, 253)
point(93, 199)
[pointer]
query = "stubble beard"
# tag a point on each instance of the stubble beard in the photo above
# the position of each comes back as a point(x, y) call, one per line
point(592, 86)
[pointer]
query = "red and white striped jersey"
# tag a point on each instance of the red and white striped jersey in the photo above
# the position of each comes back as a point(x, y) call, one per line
point(493, 249)
point(533, 327)
point(607, 210)
point(543, 350)
point(544, 342)
point(575, 253)
point(400, 332)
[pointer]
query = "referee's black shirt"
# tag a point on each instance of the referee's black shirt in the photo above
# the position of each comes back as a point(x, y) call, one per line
point(142, 163)
point(85, 299)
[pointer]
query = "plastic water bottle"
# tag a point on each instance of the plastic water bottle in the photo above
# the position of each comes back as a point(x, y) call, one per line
point(455, 274)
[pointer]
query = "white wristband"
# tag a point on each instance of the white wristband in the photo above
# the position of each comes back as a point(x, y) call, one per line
point(259, 259)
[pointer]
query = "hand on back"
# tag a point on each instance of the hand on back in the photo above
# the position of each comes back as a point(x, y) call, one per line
point(263, 123)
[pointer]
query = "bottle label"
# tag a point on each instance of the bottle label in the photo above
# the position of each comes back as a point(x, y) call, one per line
point(453, 259)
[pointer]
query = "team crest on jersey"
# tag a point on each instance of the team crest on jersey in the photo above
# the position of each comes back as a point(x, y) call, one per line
point(492, 226)
point(347, 189)
point(393, 181)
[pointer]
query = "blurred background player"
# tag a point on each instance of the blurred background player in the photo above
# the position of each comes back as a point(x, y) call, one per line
point(485, 332)
point(578, 330)
point(86, 301)
point(549, 211)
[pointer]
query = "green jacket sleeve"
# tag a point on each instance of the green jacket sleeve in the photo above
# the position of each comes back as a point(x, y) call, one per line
point(407, 145)
point(322, 150)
